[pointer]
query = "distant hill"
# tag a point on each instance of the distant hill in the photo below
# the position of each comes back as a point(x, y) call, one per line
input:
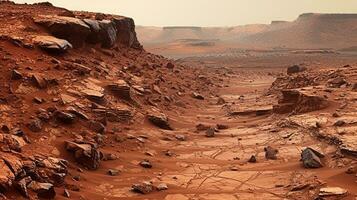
point(309, 30)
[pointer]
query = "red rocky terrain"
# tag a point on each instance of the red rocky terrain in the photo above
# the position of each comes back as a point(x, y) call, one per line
point(87, 113)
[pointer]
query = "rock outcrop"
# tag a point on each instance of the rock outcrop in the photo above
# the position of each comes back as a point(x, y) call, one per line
point(78, 31)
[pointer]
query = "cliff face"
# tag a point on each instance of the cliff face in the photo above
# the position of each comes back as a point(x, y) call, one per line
point(77, 28)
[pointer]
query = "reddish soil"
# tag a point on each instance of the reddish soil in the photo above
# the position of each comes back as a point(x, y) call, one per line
point(238, 90)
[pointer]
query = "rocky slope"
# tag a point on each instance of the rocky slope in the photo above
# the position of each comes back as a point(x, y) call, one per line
point(71, 84)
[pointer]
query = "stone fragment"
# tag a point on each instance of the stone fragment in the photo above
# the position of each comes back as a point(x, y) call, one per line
point(35, 125)
point(16, 75)
point(332, 191)
point(180, 137)
point(146, 164)
point(162, 186)
point(311, 158)
point(270, 153)
point(85, 154)
point(52, 44)
point(97, 127)
point(210, 132)
point(113, 172)
point(252, 159)
point(39, 81)
point(143, 188)
point(197, 96)
point(121, 89)
point(43, 190)
point(160, 120)
point(66, 193)
point(64, 117)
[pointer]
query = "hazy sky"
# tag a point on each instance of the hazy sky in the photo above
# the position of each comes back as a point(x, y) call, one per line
point(207, 12)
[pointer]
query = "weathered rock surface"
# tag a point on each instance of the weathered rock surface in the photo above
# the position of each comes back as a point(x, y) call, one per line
point(160, 120)
point(311, 158)
point(298, 101)
point(85, 154)
point(52, 44)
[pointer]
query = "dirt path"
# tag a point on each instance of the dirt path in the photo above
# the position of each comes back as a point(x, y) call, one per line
point(218, 168)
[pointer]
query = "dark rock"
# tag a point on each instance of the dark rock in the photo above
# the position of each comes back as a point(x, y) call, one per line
point(270, 153)
point(126, 32)
point(64, 117)
point(146, 164)
point(354, 87)
point(202, 127)
point(311, 158)
point(210, 132)
point(337, 82)
point(39, 81)
point(252, 159)
point(35, 125)
point(66, 193)
point(170, 65)
point(197, 96)
point(85, 154)
point(113, 172)
point(16, 75)
point(160, 120)
point(108, 33)
point(43, 190)
point(295, 69)
point(143, 188)
point(52, 44)
point(339, 123)
point(222, 126)
point(69, 28)
point(97, 127)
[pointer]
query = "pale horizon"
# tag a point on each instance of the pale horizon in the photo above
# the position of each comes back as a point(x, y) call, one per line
point(207, 13)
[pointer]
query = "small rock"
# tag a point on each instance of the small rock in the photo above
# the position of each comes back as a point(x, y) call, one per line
point(197, 96)
point(222, 126)
point(97, 127)
point(311, 158)
point(66, 193)
point(146, 164)
point(143, 188)
point(43, 190)
point(16, 75)
point(332, 191)
point(160, 120)
point(113, 172)
point(180, 137)
point(270, 153)
point(339, 123)
point(64, 117)
point(252, 159)
point(210, 132)
point(35, 125)
point(162, 186)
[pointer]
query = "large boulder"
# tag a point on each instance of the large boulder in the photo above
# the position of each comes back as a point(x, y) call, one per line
point(69, 28)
